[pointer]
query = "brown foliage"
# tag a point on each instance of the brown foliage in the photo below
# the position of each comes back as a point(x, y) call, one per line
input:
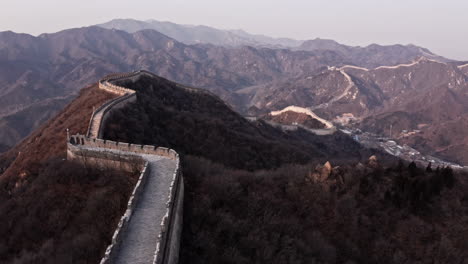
point(294, 215)
point(54, 211)
point(63, 213)
point(49, 141)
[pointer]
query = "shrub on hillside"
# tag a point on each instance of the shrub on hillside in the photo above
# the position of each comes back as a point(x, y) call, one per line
point(304, 214)
point(63, 213)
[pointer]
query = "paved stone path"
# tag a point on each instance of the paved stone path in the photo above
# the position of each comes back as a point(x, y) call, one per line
point(139, 243)
point(94, 130)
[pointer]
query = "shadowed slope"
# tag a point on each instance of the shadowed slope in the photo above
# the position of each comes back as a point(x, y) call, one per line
point(200, 124)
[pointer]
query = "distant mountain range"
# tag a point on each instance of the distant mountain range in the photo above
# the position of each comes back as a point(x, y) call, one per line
point(39, 75)
point(251, 177)
point(423, 104)
point(190, 34)
point(370, 56)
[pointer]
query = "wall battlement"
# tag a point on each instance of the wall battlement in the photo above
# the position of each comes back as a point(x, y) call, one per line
point(92, 149)
point(78, 140)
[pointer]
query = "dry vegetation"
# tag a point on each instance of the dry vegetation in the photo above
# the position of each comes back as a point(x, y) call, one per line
point(300, 214)
point(202, 125)
point(52, 210)
point(49, 140)
point(65, 214)
point(245, 204)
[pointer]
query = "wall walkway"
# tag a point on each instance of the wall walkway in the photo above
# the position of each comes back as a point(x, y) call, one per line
point(150, 229)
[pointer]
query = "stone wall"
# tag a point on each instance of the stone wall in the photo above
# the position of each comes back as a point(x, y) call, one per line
point(119, 233)
point(167, 249)
point(107, 83)
point(306, 111)
point(170, 244)
point(99, 116)
point(126, 162)
point(105, 159)
point(116, 104)
point(91, 151)
point(77, 140)
point(128, 158)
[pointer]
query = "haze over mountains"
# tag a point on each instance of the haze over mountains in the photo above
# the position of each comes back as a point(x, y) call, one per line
point(41, 74)
point(190, 34)
point(370, 56)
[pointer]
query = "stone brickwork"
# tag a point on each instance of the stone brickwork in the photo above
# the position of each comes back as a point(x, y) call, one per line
point(92, 150)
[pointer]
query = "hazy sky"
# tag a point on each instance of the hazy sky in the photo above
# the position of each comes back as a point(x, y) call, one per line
point(441, 26)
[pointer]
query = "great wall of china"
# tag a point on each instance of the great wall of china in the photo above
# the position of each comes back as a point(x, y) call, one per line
point(150, 229)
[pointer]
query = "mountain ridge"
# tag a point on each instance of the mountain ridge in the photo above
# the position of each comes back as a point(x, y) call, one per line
point(193, 34)
point(235, 168)
point(39, 72)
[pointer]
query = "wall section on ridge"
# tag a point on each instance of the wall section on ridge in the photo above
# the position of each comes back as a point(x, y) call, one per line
point(91, 150)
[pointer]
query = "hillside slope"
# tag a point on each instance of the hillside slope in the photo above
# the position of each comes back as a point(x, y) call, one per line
point(425, 98)
point(370, 56)
point(190, 34)
point(373, 55)
point(77, 208)
point(196, 122)
point(38, 75)
point(253, 193)
point(48, 141)
point(248, 199)
point(53, 210)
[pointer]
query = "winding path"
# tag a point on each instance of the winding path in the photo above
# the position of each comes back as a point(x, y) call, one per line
point(140, 241)
point(409, 64)
point(149, 230)
point(339, 97)
point(351, 83)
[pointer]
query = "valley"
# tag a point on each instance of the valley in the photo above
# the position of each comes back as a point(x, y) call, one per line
point(403, 152)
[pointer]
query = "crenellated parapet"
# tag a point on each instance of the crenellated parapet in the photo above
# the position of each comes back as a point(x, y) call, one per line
point(128, 157)
point(107, 83)
point(81, 140)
